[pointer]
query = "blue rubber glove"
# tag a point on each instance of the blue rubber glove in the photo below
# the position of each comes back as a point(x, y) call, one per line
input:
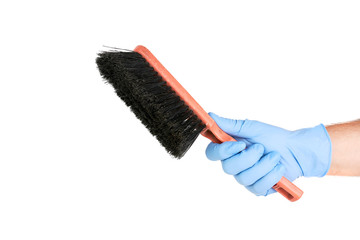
point(270, 153)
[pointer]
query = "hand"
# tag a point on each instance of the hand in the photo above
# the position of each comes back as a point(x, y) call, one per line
point(271, 153)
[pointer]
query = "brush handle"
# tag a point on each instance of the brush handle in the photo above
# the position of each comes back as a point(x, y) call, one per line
point(284, 186)
point(212, 130)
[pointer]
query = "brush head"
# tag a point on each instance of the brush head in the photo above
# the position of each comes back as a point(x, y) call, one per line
point(155, 103)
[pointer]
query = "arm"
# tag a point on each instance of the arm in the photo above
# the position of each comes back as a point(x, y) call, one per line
point(345, 140)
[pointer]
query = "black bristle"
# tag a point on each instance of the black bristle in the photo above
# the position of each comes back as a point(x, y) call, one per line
point(155, 103)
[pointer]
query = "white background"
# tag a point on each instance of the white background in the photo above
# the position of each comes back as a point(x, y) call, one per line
point(76, 164)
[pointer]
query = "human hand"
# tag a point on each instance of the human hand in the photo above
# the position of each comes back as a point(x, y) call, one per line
point(271, 153)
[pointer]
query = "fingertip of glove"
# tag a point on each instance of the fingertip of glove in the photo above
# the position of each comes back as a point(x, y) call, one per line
point(209, 151)
point(213, 115)
point(270, 191)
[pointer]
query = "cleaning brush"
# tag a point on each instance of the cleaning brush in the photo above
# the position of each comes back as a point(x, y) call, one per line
point(169, 112)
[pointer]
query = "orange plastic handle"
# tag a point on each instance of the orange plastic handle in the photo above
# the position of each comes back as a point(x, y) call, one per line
point(211, 131)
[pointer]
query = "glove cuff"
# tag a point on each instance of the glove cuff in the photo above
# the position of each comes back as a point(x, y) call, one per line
point(314, 151)
point(327, 151)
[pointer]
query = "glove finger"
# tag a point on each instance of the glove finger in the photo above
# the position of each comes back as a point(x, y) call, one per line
point(238, 128)
point(260, 169)
point(264, 184)
point(243, 160)
point(215, 151)
point(270, 191)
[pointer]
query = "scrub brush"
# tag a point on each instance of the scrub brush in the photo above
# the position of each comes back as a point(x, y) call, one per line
point(169, 112)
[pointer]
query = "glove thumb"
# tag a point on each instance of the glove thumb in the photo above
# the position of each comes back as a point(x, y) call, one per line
point(237, 128)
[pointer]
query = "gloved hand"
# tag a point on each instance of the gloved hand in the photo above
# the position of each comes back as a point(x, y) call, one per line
point(271, 153)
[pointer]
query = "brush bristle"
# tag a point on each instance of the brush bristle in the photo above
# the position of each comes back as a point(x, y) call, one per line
point(155, 103)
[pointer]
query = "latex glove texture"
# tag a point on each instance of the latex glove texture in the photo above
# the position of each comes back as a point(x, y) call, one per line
point(270, 153)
